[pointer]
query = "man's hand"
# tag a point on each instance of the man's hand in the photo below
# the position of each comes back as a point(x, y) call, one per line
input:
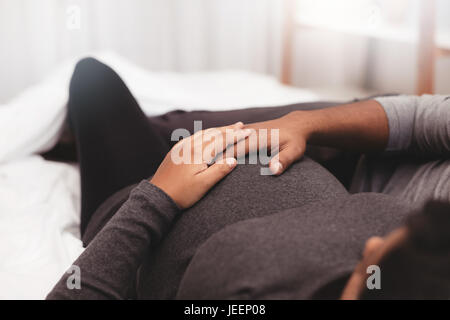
point(188, 171)
point(293, 135)
point(358, 127)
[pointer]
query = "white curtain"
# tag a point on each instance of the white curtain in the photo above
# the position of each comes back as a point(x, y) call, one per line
point(177, 35)
point(198, 35)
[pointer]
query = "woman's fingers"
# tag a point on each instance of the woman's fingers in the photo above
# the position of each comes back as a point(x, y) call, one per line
point(248, 145)
point(213, 131)
point(238, 125)
point(215, 141)
point(204, 146)
point(216, 172)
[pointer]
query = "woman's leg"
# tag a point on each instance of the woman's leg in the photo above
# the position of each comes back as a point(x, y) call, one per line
point(116, 144)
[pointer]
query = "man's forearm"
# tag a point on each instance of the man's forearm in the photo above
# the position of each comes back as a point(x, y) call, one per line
point(406, 124)
point(361, 126)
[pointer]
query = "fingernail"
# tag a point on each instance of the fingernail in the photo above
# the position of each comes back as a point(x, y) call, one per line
point(239, 124)
point(276, 167)
point(231, 162)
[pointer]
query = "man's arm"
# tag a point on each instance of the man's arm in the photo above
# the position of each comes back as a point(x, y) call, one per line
point(418, 125)
point(405, 124)
point(361, 126)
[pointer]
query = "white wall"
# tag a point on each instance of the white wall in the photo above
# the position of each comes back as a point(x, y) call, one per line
point(328, 59)
point(324, 58)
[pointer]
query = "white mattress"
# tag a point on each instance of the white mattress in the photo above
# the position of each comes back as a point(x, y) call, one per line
point(40, 200)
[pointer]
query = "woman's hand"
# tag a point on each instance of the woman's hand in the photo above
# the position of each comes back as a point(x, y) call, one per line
point(189, 171)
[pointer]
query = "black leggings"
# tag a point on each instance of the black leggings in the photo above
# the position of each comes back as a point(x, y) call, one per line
point(118, 145)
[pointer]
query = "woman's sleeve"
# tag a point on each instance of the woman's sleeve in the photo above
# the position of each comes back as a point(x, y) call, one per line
point(418, 125)
point(109, 264)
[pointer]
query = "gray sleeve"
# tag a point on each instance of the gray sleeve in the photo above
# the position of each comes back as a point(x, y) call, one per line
point(109, 264)
point(418, 125)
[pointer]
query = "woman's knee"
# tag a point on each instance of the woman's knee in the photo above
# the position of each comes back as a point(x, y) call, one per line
point(89, 66)
point(90, 76)
point(91, 83)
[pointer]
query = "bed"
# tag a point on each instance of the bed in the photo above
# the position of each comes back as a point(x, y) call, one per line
point(40, 199)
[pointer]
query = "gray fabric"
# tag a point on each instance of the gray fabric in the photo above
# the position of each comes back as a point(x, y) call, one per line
point(305, 229)
point(105, 212)
point(292, 254)
point(110, 262)
point(419, 131)
point(243, 194)
point(416, 164)
point(418, 125)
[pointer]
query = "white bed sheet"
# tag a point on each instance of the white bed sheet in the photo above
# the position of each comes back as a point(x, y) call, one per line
point(39, 199)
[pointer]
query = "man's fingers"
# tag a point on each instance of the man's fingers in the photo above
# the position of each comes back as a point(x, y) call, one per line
point(199, 136)
point(250, 144)
point(285, 158)
point(217, 172)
